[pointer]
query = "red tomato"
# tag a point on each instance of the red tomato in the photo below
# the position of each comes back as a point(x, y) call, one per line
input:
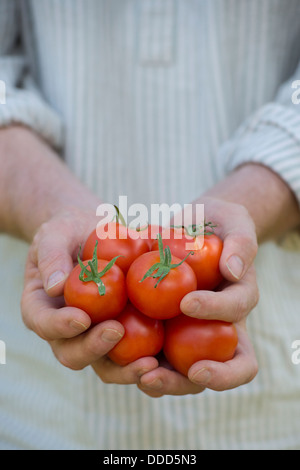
point(121, 241)
point(143, 337)
point(204, 261)
point(159, 297)
point(189, 340)
point(86, 295)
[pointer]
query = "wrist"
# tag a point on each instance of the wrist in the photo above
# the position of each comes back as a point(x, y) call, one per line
point(35, 184)
point(268, 199)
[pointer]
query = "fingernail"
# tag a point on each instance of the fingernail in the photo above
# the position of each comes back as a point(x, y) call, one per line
point(78, 326)
point(55, 278)
point(155, 385)
point(193, 306)
point(111, 336)
point(202, 377)
point(235, 266)
point(142, 372)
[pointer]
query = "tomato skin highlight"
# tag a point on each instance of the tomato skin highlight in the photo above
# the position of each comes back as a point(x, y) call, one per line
point(189, 340)
point(143, 337)
point(205, 259)
point(85, 295)
point(122, 241)
point(163, 301)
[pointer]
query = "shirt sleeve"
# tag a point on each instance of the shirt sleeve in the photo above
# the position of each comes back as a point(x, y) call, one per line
point(271, 137)
point(20, 100)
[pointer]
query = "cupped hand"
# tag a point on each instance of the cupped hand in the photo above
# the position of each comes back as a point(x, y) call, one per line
point(74, 342)
point(232, 301)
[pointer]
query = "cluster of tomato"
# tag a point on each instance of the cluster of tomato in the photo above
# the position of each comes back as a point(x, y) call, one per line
point(139, 278)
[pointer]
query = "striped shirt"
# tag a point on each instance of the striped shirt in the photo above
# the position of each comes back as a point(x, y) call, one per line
point(156, 100)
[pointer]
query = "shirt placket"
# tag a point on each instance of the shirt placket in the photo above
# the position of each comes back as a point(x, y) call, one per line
point(156, 32)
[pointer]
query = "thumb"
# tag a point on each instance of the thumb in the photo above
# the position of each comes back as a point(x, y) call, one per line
point(239, 251)
point(54, 260)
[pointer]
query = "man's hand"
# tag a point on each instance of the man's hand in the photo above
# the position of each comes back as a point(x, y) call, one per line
point(75, 344)
point(45, 204)
point(248, 205)
point(231, 302)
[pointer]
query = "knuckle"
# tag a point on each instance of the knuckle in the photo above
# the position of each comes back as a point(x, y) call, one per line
point(29, 320)
point(24, 311)
point(248, 241)
point(105, 379)
point(50, 262)
point(253, 248)
point(64, 360)
point(256, 298)
point(92, 347)
point(244, 212)
point(253, 372)
point(39, 330)
point(226, 383)
point(44, 228)
point(244, 302)
point(245, 233)
point(241, 308)
point(41, 233)
point(37, 326)
point(254, 294)
point(103, 371)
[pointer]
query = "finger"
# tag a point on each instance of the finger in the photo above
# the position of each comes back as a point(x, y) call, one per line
point(239, 245)
point(56, 245)
point(221, 376)
point(87, 348)
point(48, 317)
point(53, 252)
point(54, 258)
point(109, 372)
point(231, 304)
point(162, 381)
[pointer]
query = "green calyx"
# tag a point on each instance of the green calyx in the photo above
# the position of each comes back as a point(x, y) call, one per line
point(119, 217)
point(160, 270)
point(195, 230)
point(92, 274)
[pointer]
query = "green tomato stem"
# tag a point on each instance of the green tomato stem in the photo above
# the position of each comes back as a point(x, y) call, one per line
point(92, 274)
point(160, 270)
